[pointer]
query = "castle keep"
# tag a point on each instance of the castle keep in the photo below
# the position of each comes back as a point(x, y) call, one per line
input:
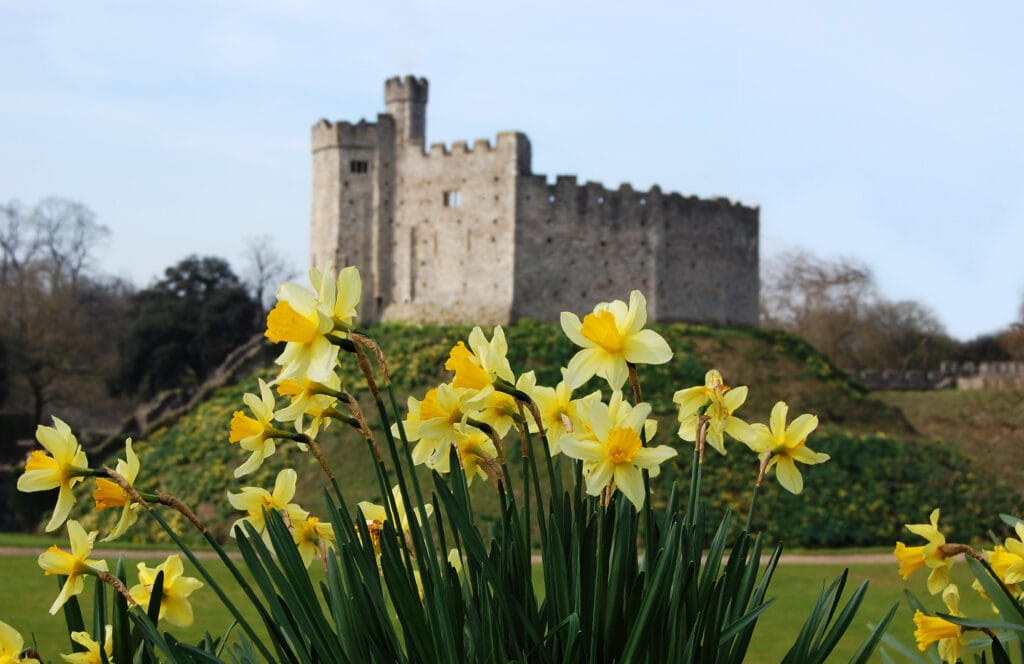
point(471, 234)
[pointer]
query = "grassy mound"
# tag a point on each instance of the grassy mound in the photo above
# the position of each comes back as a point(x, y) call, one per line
point(876, 482)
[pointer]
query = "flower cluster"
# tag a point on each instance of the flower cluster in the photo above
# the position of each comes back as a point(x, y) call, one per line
point(1004, 564)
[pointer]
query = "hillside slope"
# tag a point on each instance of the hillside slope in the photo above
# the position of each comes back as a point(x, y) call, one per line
point(193, 460)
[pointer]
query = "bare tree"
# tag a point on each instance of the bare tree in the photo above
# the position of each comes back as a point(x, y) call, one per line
point(51, 332)
point(263, 269)
point(836, 306)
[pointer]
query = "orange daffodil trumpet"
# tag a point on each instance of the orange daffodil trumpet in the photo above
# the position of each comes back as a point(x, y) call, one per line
point(109, 493)
point(612, 337)
point(932, 554)
point(62, 468)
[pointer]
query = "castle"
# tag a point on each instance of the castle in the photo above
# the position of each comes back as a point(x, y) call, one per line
point(471, 234)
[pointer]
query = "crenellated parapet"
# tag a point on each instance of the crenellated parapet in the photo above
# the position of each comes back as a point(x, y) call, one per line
point(327, 134)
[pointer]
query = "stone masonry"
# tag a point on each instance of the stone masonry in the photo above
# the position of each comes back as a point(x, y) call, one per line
point(471, 234)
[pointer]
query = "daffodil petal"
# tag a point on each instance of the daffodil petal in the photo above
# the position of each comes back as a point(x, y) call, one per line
point(646, 347)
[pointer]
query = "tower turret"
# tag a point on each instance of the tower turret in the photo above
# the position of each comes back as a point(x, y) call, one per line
point(406, 100)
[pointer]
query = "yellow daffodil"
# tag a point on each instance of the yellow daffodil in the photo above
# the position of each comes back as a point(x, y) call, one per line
point(174, 604)
point(110, 494)
point(92, 648)
point(475, 452)
point(613, 454)
point(375, 515)
point(11, 646)
point(255, 434)
point(721, 402)
point(558, 410)
point(74, 565)
point(256, 501)
point(339, 297)
point(311, 536)
point(299, 320)
point(480, 367)
point(64, 469)
point(912, 558)
point(307, 398)
point(1008, 561)
point(787, 445)
point(931, 629)
point(431, 422)
point(612, 336)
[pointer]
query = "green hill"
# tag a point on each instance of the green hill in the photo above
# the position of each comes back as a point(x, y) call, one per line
point(882, 475)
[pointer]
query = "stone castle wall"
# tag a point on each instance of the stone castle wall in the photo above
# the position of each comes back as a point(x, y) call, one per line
point(470, 234)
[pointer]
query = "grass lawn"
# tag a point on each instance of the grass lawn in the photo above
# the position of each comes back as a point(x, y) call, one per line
point(25, 603)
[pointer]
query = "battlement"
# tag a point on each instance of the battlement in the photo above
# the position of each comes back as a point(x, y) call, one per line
point(406, 88)
point(327, 134)
point(465, 231)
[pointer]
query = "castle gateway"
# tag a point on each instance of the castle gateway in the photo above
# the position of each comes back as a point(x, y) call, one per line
point(472, 235)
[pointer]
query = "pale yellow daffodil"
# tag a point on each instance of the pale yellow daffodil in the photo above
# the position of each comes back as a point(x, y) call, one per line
point(11, 646)
point(475, 450)
point(375, 515)
point(786, 444)
point(719, 403)
point(257, 501)
point(612, 337)
point(255, 434)
point(92, 648)
point(110, 494)
point(613, 454)
point(912, 558)
point(312, 536)
point(559, 412)
point(431, 423)
point(931, 629)
point(339, 297)
point(174, 604)
point(302, 322)
point(74, 565)
point(62, 468)
point(483, 363)
point(307, 398)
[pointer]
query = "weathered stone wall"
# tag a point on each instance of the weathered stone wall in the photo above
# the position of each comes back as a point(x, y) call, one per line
point(471, 235)
point(454, 262)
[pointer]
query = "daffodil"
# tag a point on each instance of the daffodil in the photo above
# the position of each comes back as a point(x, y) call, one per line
point(339, 297)
point(1008, 560)
point(786, 444)
point(92, 648)
point(431, 423)
point(476, 451)
point(559, 412)
point(613, 453)
point(110, 494)
point(74, 565)
point(932, 629)
point(912, 558)
point(255, 434)
point(257, 501)
point(308, 398)
point(11, 646)
point(719, 403)
point(375, 515)
point(312, 536)
point(612, 337)
point(174, 604)
point(63, 470)
point(302, 322)
point(482, 363)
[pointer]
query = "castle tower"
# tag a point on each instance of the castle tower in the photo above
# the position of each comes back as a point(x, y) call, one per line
point(406, 100)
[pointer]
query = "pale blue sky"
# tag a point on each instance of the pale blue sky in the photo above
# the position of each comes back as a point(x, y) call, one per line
point(890, 132)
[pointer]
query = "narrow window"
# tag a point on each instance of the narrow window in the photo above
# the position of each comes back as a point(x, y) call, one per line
point(358, 166)
point(452, 199)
